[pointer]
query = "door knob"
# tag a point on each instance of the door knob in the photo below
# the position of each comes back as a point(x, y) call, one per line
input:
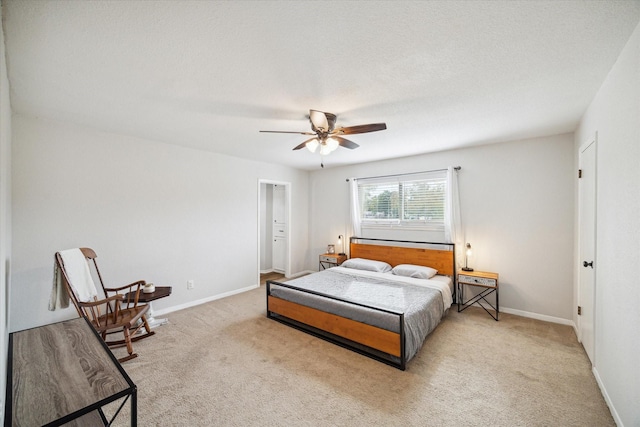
point(587, 264)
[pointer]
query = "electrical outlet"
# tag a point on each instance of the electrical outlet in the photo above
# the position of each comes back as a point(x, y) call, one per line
point(190, 284)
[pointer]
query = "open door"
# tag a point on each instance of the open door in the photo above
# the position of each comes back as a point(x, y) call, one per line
point(273, 227)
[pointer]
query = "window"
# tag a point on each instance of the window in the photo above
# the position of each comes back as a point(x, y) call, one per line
point(412, 200)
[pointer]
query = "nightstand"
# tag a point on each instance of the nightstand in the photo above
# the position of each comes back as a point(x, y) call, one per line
point(331, 260)
point(482, 279)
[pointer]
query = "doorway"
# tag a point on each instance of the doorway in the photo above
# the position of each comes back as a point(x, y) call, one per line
point(274, 201)
point(587, 246)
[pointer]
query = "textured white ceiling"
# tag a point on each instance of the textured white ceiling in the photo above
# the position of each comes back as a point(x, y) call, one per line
point(211, 74)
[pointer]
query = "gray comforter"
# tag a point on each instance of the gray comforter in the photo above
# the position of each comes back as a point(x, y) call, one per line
point(423, 307)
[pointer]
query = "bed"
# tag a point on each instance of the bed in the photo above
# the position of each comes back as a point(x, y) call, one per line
point(382, 302)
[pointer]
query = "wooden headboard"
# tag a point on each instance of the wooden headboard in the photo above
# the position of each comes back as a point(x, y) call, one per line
point(441, 260)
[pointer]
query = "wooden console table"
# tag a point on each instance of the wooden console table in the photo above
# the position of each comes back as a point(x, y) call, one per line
point(64, 372)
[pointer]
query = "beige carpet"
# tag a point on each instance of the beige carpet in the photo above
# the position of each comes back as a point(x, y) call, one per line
point(225, 364)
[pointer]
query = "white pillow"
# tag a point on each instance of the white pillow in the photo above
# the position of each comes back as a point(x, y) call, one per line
point(416, 271)
point(366, 264)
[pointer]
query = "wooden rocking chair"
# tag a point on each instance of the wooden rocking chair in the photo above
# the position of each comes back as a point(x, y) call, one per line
point(111, 315)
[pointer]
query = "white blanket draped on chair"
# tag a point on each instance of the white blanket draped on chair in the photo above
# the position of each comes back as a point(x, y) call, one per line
point(79, 277)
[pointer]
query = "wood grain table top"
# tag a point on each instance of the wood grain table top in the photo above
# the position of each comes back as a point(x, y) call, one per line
point(59, 369)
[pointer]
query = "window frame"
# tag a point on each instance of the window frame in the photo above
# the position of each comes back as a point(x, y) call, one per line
point(400, 182)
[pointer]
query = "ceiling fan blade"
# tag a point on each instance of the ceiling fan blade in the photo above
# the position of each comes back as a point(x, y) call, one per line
point(285, 131)
point(297, 147)
point(350, 130)
point(319, 120)
point(345, 142)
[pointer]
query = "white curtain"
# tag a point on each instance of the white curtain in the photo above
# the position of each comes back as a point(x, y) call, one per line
point(452, 225)
point(356, 225)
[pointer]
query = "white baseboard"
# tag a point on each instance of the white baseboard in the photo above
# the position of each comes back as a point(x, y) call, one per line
point(302, 273)
point(522, 313)
point(202, 301)
point(607, 399)
point(271, 270)
point(537, 316)
point(215, 297)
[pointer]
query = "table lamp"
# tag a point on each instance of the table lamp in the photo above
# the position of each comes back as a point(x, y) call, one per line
point(341, 244)
point(466, 258)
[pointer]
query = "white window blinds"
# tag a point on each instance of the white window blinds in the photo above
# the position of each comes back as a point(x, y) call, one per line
point(412, 200)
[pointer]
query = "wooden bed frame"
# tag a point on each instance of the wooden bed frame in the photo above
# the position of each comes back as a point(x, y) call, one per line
point(377, 343)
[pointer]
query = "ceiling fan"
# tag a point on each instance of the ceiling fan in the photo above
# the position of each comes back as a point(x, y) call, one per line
point(327, 136)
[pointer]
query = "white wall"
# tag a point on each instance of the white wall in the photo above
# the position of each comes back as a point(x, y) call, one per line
point(151, 211)
point(517, 209)
point(615, 115)
point(5, 213)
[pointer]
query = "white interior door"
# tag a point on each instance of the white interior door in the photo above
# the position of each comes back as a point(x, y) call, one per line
point(587, 243)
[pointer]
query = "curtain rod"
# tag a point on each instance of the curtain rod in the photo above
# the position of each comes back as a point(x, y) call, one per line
point(457, 168)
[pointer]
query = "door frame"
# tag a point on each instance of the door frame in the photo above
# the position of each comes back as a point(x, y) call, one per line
point(593, 140)
point(287, 209)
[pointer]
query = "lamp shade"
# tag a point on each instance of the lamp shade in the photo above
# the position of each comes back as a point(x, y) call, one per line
point(312, 145)
point(332, 143)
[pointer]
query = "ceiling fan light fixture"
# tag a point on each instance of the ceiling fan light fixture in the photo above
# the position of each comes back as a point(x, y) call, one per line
point(332, 144)
point(312, 145)
point(328, 145)
point(327, 136)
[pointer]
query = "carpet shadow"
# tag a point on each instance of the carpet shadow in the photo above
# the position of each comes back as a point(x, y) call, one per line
point(285, 348)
